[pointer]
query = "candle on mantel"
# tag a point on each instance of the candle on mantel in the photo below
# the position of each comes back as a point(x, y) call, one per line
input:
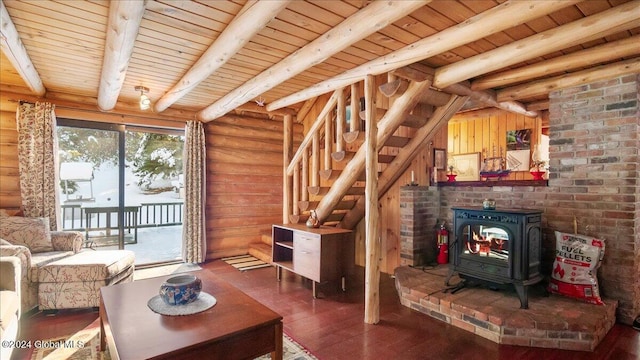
point(413, 177)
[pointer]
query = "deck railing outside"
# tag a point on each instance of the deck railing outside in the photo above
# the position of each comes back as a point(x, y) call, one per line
point(146, 215)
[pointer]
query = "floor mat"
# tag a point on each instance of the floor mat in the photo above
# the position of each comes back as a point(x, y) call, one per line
point(245, 262)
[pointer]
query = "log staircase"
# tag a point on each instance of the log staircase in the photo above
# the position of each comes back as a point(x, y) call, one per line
point(330, 179)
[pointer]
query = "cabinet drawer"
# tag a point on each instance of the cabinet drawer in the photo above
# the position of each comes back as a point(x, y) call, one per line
point(306, 256)
point(306, 240)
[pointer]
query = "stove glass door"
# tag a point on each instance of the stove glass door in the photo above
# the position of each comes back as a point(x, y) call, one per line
point(485, 241)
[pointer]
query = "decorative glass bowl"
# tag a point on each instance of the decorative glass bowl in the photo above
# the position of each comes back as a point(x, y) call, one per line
point(180, 289)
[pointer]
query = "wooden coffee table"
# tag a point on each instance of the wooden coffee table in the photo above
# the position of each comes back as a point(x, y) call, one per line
point(237, 327)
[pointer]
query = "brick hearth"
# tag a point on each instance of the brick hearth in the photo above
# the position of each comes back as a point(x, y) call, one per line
point(550, 322)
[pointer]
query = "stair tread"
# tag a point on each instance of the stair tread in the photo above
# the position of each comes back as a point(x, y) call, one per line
point(261, 251)
point(262, 246)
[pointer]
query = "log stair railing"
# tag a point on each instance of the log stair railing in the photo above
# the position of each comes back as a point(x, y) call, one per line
point(330, 179)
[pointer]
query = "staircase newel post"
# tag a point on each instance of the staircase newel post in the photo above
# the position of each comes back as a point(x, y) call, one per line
point(372, 258)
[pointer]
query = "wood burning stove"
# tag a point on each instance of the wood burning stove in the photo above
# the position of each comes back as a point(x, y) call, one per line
point(497, 246)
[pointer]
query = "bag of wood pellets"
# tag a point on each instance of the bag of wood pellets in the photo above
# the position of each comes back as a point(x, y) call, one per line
point(578, 258)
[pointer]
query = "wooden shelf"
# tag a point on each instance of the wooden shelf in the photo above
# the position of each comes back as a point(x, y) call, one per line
point(287, 244)
point(491, 183)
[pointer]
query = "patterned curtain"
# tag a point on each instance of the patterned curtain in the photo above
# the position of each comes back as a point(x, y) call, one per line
point(194, 241)
point(37, 156)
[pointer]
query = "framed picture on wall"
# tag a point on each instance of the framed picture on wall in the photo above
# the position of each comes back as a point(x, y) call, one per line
point(467, 167)
point(519, 139)
point(518, 160)
point(440, 159)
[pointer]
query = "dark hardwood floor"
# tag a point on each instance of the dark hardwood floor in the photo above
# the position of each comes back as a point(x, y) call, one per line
point(332, 326)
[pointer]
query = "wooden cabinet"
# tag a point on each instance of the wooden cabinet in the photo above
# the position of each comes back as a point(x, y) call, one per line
point(319, 254)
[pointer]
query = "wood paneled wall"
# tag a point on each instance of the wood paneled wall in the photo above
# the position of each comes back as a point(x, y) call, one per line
point(9, 178)
point(244, 181)
point(481, 131)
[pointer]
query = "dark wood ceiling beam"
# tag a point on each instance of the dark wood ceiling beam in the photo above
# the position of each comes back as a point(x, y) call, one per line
point(251, 19)
point(15, 51)
point(482, 25)
point(378, 15)
point(122, 30)
point(619, 18)
point(584, 58)
point(543, 87)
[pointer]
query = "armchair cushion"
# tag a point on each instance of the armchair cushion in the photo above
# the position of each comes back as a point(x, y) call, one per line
point(67, 240)
point(30, 232)
point(41, 259)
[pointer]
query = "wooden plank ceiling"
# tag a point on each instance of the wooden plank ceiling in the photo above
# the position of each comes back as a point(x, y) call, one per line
point(69, 46)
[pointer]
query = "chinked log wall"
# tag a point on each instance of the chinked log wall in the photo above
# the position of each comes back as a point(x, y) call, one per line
point(244, 181)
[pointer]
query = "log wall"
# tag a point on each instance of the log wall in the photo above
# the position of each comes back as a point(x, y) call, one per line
point(9, 178)
point(244, 181)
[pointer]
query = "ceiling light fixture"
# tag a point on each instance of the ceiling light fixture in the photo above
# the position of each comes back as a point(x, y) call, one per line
point(145, 102)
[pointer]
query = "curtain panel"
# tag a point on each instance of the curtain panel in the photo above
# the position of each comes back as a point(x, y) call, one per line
point(194, 242)
point(37, 150)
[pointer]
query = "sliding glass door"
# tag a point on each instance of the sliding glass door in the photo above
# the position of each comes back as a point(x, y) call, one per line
point(122, 187)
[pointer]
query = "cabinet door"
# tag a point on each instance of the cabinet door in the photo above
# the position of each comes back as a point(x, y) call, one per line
point(306, 255)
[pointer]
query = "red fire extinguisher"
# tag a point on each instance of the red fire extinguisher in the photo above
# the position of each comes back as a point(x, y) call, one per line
point(443, 245)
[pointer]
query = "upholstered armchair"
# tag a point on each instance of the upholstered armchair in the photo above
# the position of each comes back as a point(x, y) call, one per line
point(33, 255)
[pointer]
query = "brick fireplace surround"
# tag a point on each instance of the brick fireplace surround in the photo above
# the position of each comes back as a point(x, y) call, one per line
point(549, 322)
point(594, 180)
